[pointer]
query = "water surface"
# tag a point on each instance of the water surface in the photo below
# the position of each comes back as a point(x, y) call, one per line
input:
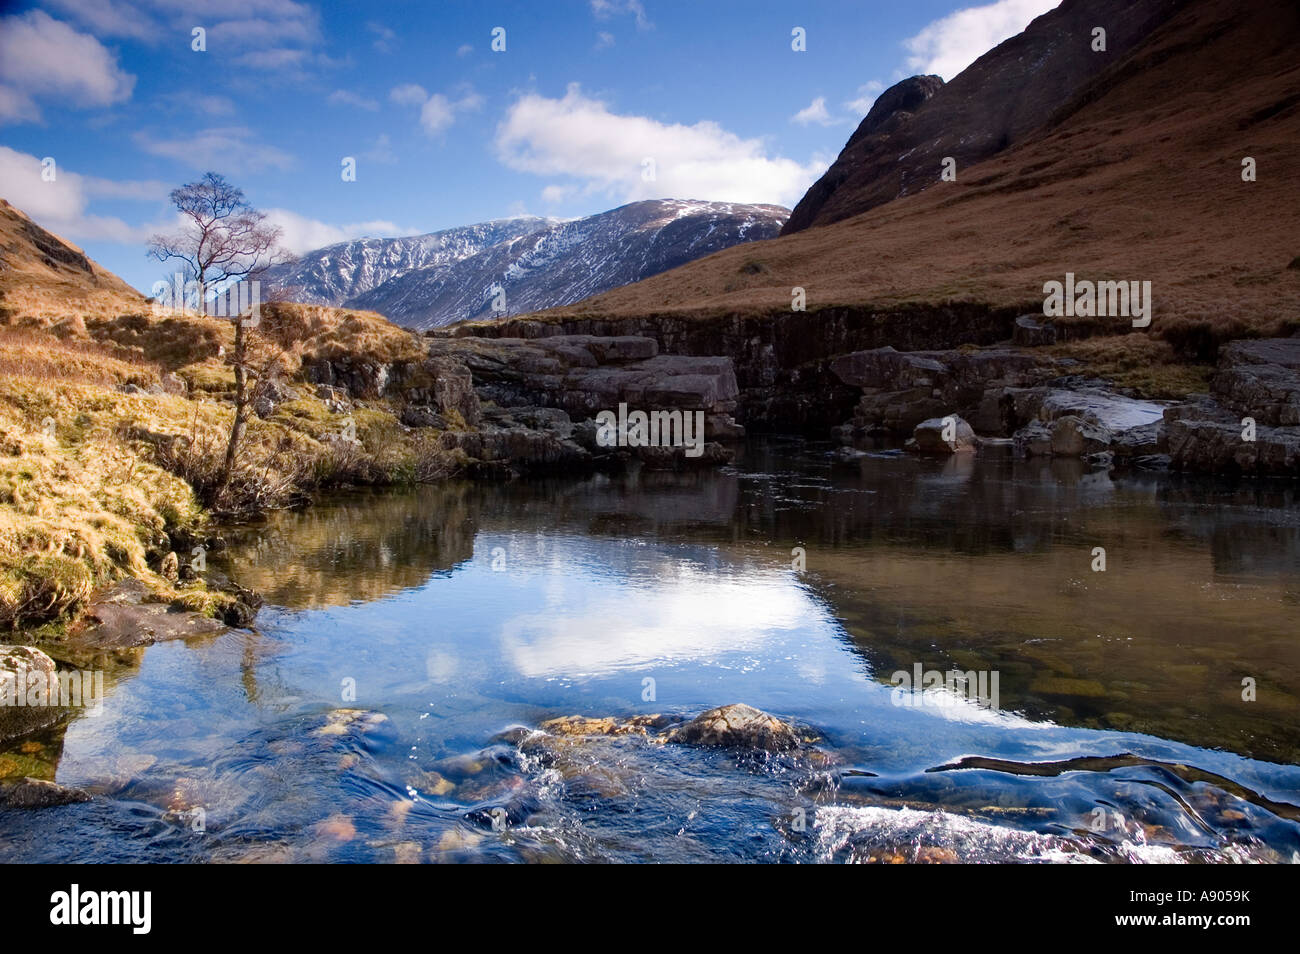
point(369, 717)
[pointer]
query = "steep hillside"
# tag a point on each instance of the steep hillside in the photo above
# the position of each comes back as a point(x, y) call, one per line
point(1141, 180)
point(996, 102)
point(45, 279)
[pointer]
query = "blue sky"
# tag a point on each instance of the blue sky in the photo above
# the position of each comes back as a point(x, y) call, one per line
point(444, 130)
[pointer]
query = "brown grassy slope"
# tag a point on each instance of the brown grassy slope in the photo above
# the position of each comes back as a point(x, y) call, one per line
point(47, 279)
point(1141, 181)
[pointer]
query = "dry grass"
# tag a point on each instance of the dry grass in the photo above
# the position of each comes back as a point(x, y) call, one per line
point(97, 483)
point(79, 506)
point(1150, 366)
point(32, 354)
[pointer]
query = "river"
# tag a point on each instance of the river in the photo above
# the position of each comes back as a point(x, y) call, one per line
point(1147, 711)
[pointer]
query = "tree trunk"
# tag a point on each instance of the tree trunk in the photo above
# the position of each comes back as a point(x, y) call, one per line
point(241, 410)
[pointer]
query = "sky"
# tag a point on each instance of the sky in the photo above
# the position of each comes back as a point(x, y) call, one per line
point(584, 106)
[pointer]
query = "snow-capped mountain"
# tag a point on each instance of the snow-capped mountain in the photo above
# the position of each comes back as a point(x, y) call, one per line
point(336, 273)
point(542, 264)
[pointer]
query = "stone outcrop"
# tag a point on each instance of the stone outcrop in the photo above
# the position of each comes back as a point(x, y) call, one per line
point(120, 617)
point(900, 389)
point(545, 394)
point(1259, 380)
point(1031, 331)
point(26, 676)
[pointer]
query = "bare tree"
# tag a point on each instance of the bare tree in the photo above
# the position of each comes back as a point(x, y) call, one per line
point(222, 240)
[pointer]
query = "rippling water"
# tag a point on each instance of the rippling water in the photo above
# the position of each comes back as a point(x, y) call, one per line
point(460, 611)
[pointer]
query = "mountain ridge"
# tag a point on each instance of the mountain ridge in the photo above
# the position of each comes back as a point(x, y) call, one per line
point(538, 263)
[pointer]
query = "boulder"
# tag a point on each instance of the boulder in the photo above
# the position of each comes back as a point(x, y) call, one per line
point(1030, 331)
point(26, 675)
point(1074, 436)
point(270, 394)
point(1034, 440)
point(943, 435)
point(453, 390)
point(737, 726)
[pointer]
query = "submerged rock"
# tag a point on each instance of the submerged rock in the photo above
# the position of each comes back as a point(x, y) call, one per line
point(38, 793)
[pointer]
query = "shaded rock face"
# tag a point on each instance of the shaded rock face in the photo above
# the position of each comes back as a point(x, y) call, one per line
point(781, 360)
point(900, 390)
point(1032, 80)
point(1259, 380)
point(546, 393)
point(23, 668)
point(1206, 438)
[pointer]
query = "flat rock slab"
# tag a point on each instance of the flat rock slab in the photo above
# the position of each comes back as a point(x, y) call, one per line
point(1113, 411)
point(120, 619)
point(1281, 351)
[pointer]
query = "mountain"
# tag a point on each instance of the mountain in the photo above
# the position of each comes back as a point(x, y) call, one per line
point(1138, 175)
point(993, 104)
point(539, 263)
point(332, 275)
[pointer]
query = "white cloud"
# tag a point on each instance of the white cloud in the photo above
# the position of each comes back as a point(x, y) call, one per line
point(949, 45)
point(580, 139)
point(381, 151)
point(866, 98)
point(345, 97)
point(464, 50)
point(604, 9)
point(408, 94)
point(44, 58)
point(386, 37)
point(814, 112)
point(437, 112)
point(228, 148)
point(302, 234)
point(110, 18)
point(62, 205)
point(604, 40)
